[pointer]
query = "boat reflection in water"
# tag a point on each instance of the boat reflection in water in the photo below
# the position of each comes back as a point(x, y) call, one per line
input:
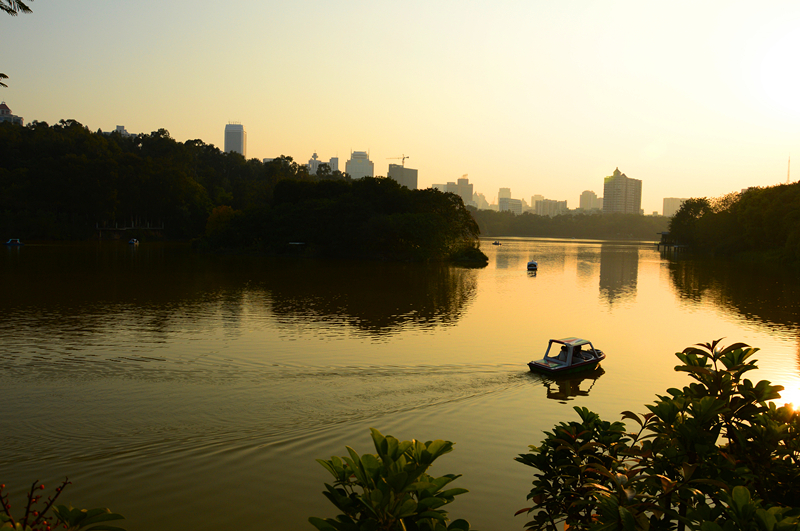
point(564, 388)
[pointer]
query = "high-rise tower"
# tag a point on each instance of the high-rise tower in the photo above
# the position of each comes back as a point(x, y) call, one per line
point(622, 194)
point(359, 165)
point(236, 139)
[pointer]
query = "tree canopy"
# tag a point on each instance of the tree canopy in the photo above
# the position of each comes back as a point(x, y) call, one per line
point(66, 182)
point(580, 225)
point(758, 221)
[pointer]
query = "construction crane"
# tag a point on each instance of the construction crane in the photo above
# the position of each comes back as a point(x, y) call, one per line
point(404, 157)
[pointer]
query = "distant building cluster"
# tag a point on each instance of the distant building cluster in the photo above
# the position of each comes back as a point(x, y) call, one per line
point(462, 188)
point(6, 116)
point(621, 194)
point(315, 162)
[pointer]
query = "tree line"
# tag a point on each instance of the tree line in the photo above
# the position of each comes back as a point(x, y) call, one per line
point(581, 225)
point(757, 222)
point(65, 182)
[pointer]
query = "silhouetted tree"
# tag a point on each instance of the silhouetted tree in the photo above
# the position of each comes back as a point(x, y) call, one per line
point(12, 7)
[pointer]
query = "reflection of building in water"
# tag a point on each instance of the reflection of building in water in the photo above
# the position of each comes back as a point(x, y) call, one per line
point(506, 258)
point(588, 263)
point(619, 271)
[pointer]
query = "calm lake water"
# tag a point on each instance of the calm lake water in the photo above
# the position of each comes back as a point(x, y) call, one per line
point(196, 392)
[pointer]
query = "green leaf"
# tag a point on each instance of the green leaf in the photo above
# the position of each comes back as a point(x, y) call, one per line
point(321, 524)
point(408, 508)
point(740, 497)
point(628, 521)
point(458, 525)
point(710, 526)
point(633, 416)
point(449, 493)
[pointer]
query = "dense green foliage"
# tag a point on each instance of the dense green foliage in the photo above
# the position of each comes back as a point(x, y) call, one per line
point(65, 182)
point(61, 182)
point(715, 455)
point(369, 217)
point(760, 221)
point(390, 490)
point(589, 226)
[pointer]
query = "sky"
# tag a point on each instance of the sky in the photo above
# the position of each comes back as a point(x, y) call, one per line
point(694, 98)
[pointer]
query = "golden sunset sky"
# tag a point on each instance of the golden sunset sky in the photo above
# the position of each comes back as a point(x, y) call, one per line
point(547, 97)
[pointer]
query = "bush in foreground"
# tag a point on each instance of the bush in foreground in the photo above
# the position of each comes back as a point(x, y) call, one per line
point(390, 490)
point(63, 516)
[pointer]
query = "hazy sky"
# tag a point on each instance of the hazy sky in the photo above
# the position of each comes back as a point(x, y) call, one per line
point(695, 98)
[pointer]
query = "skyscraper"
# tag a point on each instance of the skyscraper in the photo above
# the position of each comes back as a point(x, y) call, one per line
point(359, 165)
point(405, 176)
point(236, 139)
point(465, 190)
point(622, 194)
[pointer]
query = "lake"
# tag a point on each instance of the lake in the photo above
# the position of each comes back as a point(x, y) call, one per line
point(191, 391)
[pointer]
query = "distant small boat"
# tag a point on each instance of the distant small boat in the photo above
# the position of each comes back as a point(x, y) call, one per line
point(496, 243)
point(134, 241)
point(533, 265)
point(14, 242)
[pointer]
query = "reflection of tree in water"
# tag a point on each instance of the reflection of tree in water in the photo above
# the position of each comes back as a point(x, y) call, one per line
point(770, 297)
point(376, 297)
point(619, 272)
point(767, 297)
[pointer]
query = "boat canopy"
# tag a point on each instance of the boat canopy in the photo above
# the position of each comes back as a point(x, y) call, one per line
point(572, 341)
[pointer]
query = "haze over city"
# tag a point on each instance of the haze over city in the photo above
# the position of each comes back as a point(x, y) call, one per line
point(694, 99)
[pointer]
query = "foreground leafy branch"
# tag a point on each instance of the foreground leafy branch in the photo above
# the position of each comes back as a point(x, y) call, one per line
point(715, 455)
point(390, 490)
point(66, 517)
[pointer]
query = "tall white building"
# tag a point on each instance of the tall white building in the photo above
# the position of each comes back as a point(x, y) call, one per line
point(359, 165)
point(236, 139)
point(622, 194)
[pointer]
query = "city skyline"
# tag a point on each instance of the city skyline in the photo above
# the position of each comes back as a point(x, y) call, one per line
point(693, 100)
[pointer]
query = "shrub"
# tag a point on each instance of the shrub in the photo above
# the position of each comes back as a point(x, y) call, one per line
point(390, 490)
point(70, 519)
